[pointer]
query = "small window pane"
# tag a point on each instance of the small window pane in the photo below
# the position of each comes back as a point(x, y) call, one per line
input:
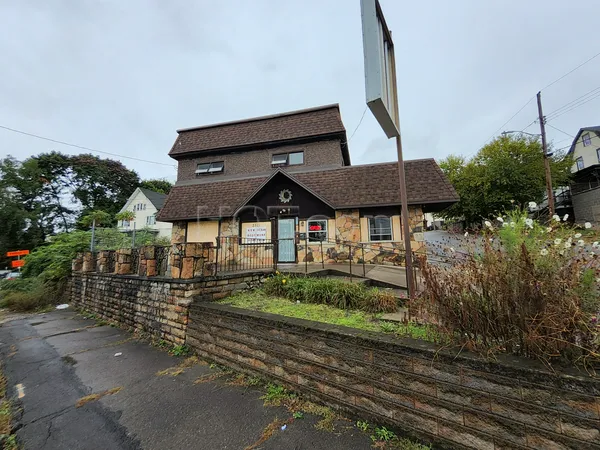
point(217, 167)
point(279, 159)
point(598, 154)
point(580, 163)
point(296, 158)
point(587, 140)
point(203, 168)
point(317, 230)
point(380, 229)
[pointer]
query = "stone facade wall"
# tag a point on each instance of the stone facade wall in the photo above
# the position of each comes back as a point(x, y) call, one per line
point(159, 306)
point(454, 401)
point(347, 231)
point(586, 206)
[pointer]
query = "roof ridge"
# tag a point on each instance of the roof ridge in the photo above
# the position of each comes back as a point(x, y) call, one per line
point(259, 118)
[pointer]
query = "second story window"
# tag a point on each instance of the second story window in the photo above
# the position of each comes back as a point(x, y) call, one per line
point(579, 163)
point(288, 159)
point(151, 220)
point(586, 139)
point(214, 167)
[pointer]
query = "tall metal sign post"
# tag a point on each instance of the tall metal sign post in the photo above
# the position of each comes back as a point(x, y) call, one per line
point(382, 100)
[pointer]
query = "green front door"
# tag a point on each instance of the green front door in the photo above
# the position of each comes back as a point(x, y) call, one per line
point(287, 244)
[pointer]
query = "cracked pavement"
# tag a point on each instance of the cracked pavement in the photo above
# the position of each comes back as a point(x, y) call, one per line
point(59, 357)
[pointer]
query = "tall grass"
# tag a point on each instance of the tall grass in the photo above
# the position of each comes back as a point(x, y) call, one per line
point(31, 294)
point(528, 289)
point(331, 292)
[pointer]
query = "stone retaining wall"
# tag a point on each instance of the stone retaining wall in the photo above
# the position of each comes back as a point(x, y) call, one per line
point(159, 306)
point(453, 401)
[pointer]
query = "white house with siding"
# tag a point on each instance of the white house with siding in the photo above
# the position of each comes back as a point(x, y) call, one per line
point(145, 204)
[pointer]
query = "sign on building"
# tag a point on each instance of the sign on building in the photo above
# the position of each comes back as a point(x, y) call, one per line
point(256, 233)
point(380, 68)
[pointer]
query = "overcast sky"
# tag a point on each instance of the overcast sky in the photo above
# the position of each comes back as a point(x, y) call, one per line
point(122, 76)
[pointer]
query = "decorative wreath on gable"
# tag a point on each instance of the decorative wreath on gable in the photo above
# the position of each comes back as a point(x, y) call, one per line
point(285, 196)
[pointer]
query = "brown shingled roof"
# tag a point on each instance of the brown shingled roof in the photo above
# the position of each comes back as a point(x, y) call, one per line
point(320, 121)
point(346, 187)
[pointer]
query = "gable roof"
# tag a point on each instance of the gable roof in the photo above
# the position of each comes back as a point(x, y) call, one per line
point(345, 187)
point(596, 129)
point(306, 123)
point(156, 198)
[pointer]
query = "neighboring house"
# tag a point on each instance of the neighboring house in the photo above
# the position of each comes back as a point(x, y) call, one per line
point(288, 176)
point(145, 204)
point(585, 185)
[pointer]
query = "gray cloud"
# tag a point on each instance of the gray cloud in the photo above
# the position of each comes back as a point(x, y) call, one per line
point(123, 76)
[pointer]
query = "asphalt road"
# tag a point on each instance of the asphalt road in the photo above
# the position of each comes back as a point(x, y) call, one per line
point(54, 360)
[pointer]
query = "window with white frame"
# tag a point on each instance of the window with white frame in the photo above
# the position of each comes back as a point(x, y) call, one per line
point(288, 159)
point(317, 230)
point(125, 223)
point(586, 139)
point(579, 163)
point(151, 220)
point(380, 228)
point(213, 167)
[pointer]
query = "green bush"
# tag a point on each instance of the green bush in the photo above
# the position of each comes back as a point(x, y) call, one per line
point(330, 292)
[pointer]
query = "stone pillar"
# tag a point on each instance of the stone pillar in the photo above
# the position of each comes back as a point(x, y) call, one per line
point(147, 266)
point(103, 260)
point(77, 264)
point(124, 260)
point(195, 260)
point(415, 222)
point(89, 262)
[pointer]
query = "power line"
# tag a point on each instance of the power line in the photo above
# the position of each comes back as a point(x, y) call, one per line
point(504, 124)
point(558, 129)
point(359, 122)
point(575, 106)
point(82, 147)
point(571, 71)
point(569, 104)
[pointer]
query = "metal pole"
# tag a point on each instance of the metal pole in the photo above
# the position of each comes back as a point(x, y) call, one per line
point(93, 235)
point(306, 252)
point(322, 256)
point(550, 191)
point(363, 260)
point(350, 257)
point(133, 237)
point(404, 218)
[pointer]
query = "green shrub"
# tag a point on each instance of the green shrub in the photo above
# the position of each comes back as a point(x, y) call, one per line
point(331, 292)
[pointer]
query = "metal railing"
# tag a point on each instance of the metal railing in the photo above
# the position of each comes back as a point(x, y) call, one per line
point(234, 254)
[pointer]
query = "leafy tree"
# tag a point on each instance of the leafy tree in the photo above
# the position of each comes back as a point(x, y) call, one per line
point(506, 173)
point(102, 184)
point(127, 216)
point(160, 185)
point(95, 218)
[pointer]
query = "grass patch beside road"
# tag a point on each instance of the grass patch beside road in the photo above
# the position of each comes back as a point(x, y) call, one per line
point(258, 300)
point(7, 439)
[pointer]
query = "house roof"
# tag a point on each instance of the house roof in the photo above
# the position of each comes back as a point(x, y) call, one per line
point(249, 133)
point(156, 198)
point(345, 187)
point(596, 129)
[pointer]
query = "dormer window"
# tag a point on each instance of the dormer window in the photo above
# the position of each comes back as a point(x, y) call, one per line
point(214, 167)
point(587, 140)
point(288, 159)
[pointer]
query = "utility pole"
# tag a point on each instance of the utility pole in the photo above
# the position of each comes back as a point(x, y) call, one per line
point(549, 190)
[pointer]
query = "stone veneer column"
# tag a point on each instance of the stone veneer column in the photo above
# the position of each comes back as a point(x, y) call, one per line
point(178, 232)
point(415, 222)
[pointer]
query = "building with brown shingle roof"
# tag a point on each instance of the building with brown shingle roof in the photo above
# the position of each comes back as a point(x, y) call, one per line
point(288, 177)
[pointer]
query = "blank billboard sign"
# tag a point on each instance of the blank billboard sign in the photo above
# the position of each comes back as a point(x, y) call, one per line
point(380, 69)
